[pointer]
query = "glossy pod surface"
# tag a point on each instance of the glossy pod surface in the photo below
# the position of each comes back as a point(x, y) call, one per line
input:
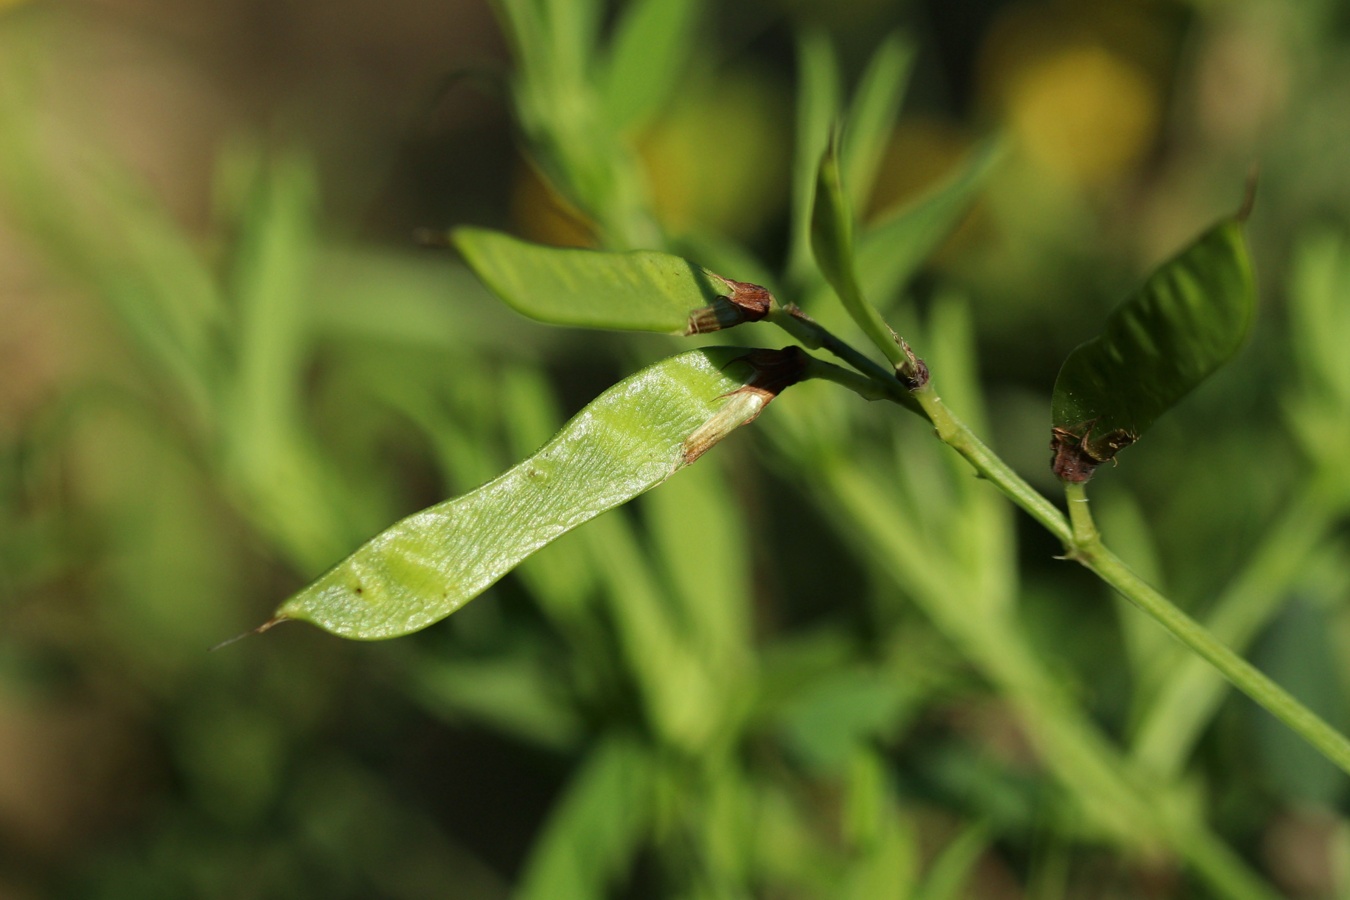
point(628, 440)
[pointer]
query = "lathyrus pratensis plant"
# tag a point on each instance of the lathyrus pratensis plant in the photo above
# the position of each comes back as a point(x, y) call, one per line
point(576, 101)
point(1189, 318)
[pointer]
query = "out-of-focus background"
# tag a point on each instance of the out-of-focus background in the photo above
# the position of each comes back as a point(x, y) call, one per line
point(224, 363)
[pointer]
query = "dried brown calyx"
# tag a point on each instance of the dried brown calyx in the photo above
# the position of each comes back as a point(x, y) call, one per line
point(1077, 453)
point(774, 370)
point(746, 303)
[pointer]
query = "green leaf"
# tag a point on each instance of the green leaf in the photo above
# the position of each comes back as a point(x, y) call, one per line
point(628, 440)
point(1298, 650)
point(872, 115)
point(597, 827)
point(650, 54)
point(513, 692)
point(891, 252)
point(638, 291)
point(952, 869)
point(571, 29)
point(832, 243)
point(817, 106)
point(1189, 318)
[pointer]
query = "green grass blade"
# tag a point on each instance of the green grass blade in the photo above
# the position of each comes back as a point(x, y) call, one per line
point(628, 440)
point(280, 475)
point(101, 228)
point(872, 115)
point(891, 252)
point(514, 693)
point(683, 703)
point(698, 535)
point(1298, 652)
point(1320, 317)
point(1187, 320)
point(637, 291)
point(832, 230)
point(818, 106)
point(650, 54)
point(885, 854)
point(596, 828)
point(955, 865)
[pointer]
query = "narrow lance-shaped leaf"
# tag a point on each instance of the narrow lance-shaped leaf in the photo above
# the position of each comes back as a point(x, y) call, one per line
point(638, 291)
point(891, 251)
point(1188, 319)
point(872, 114)
point(832, 244)
point(629, 439)
point(817, 106)
point(648, 58)
point(596, 827)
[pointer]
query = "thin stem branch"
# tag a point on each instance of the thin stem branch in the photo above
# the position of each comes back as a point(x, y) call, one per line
point(1080, 515)
point(925, 401)
point(1191, 692)
point(957, 435)
point(1078, 533)
point(813, 335)
point(857, 383)
point(1246, 677)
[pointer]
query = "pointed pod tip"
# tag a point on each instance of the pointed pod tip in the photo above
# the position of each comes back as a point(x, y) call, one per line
point(266, 626)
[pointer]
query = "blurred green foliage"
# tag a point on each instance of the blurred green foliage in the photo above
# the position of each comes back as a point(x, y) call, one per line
point(864, 677)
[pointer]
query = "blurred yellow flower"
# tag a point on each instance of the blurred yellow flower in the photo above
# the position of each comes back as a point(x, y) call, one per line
point(1084, 113)
point(1079, 85)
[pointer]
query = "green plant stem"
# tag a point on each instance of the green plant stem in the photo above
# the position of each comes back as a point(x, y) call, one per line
point(1138, 811)
point(951, 430)
point(1080, 536)
point(1087, 548)
point(813, 335)
point(859, 384)
point(957, 435)
point(1191, 692)
point(1080, 515)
